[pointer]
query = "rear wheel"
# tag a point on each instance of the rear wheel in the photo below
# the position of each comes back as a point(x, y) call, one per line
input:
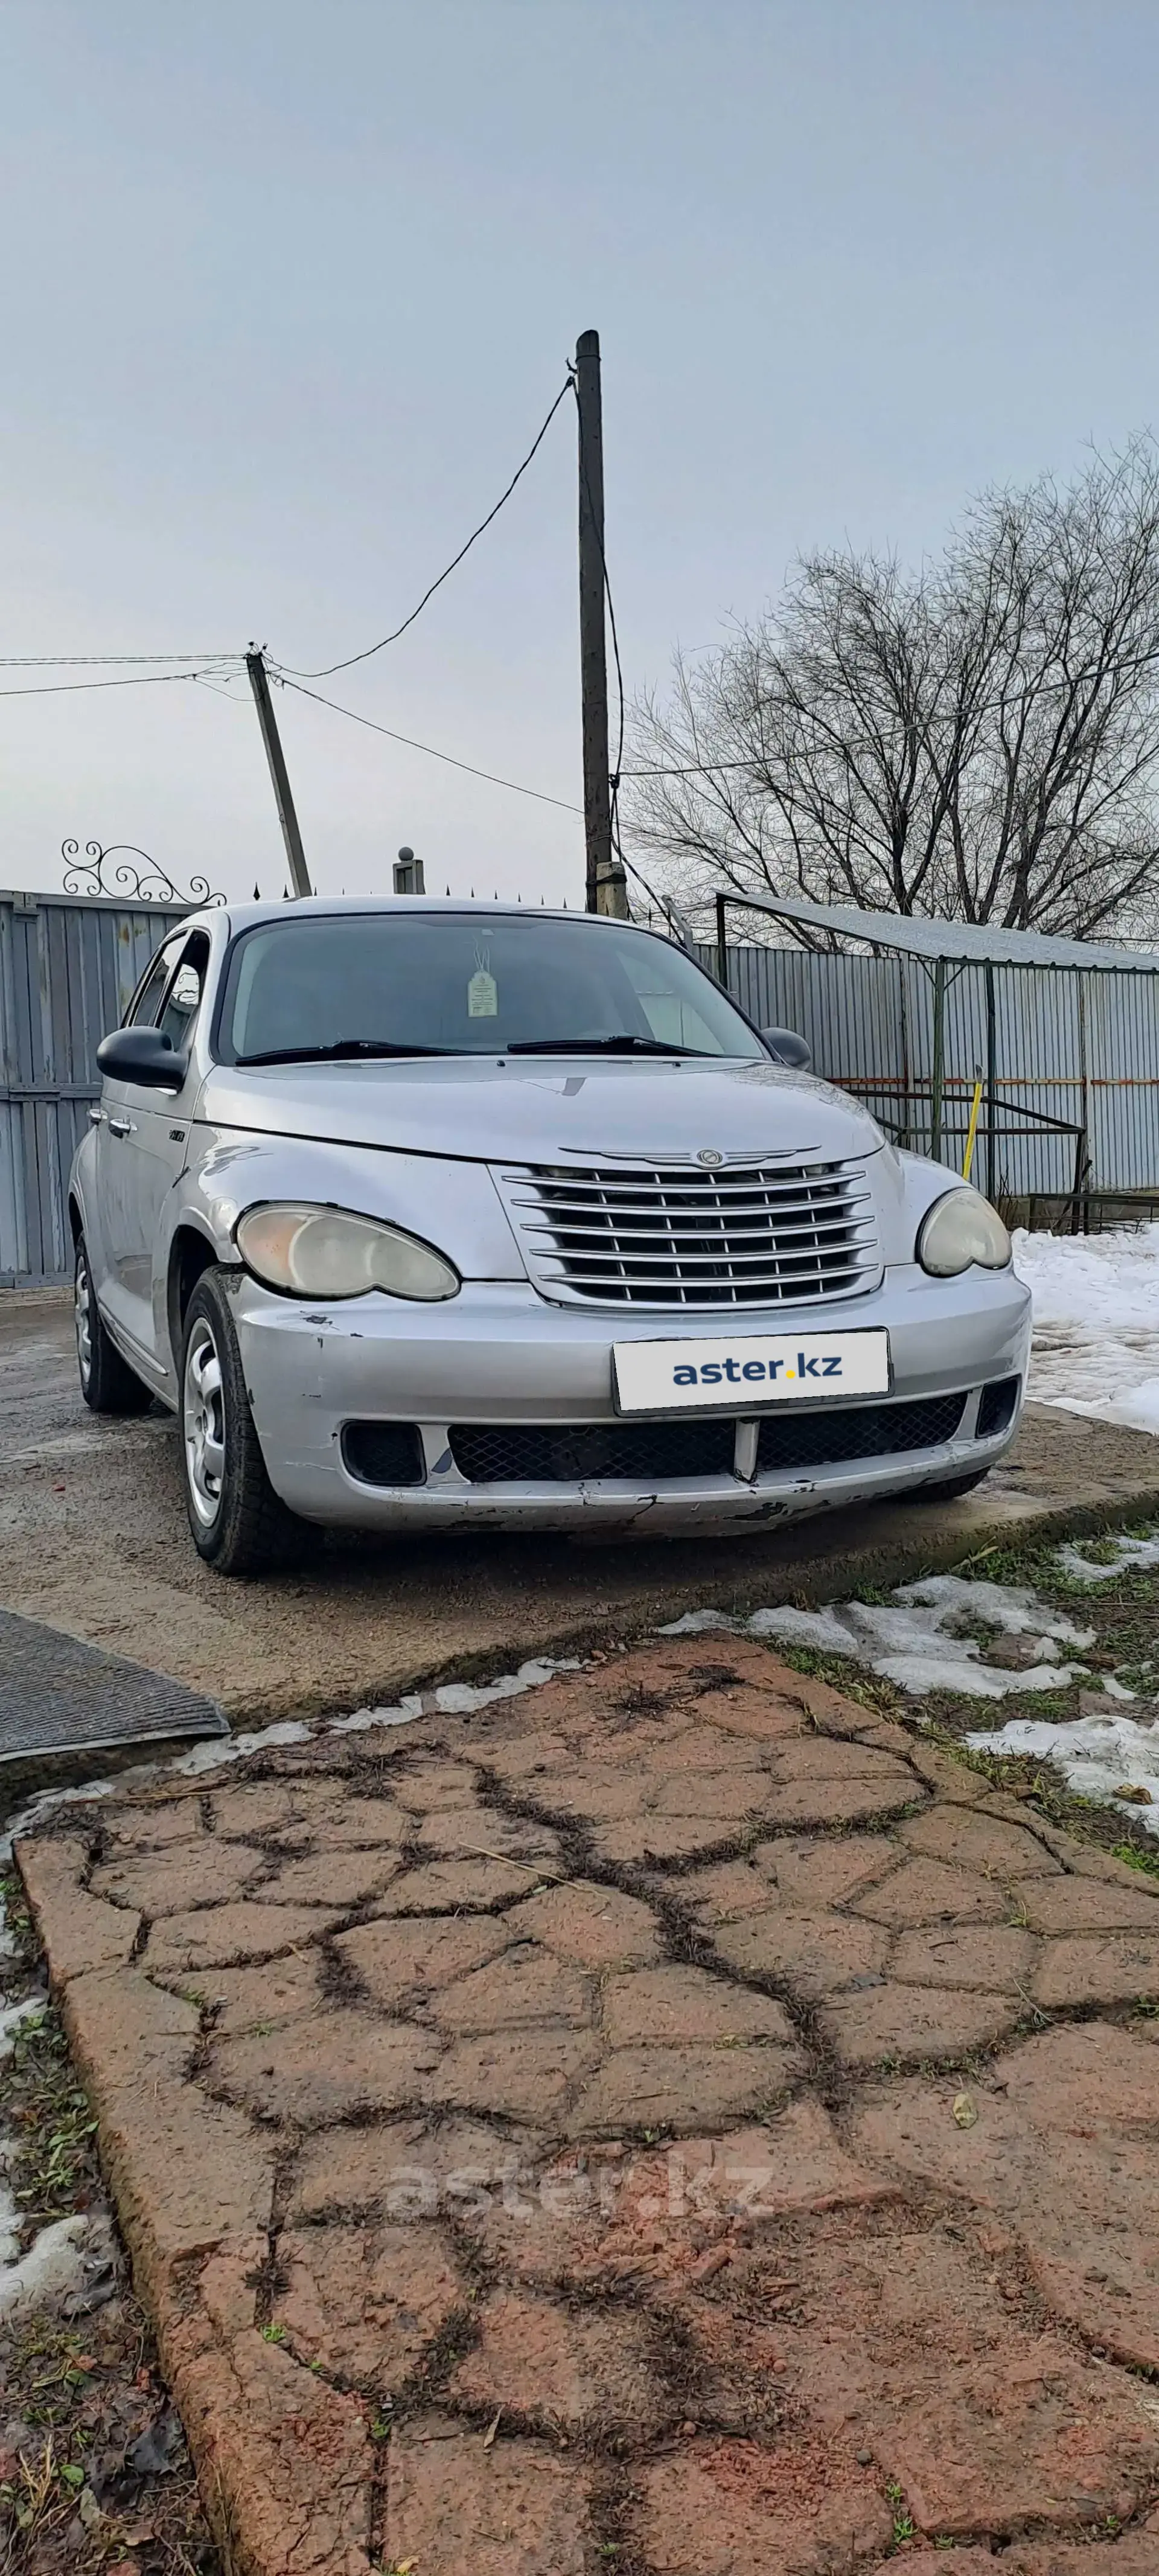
point(239, 1524)
point(107, 1383)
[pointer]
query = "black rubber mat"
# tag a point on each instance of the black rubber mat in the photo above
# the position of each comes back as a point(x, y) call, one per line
point(58, 1695)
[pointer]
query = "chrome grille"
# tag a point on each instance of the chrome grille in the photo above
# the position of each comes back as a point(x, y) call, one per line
point(649, 1235)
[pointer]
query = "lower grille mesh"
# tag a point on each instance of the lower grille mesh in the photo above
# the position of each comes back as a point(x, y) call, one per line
point(863, 1431)
point(643, 1452)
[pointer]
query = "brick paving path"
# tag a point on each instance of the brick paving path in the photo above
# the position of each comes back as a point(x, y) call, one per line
point(678, 2125)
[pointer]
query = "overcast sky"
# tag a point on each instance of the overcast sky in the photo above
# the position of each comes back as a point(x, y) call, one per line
point(288, 286)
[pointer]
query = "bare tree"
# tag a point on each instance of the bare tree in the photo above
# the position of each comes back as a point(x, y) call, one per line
point(977, 739)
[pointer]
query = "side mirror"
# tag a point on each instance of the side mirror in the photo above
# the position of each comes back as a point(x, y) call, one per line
point(788, 1049)
point(142, 1055)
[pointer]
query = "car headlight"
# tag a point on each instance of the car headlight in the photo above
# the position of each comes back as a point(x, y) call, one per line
point(960, 1229)
point(328, 1252)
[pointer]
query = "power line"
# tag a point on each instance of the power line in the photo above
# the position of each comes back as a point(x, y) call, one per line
point(329, 668)
point(411, 745)
point(695, 769)
point(69, 661)
point(61, 688)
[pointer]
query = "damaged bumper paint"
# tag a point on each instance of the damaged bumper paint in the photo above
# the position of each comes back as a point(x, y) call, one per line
point(501, 1356)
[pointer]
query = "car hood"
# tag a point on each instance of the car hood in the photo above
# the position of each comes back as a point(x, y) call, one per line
point(531, 1109)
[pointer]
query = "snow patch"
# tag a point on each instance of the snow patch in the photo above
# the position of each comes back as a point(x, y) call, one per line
point(919, 1643)
point(1096, 1322)
point(11, 2017)
point(61, 2263)
point(1131, 1556)
point(1096, 1755)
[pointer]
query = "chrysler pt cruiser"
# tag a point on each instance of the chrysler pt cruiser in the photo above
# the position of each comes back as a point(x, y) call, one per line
point(436, 1215)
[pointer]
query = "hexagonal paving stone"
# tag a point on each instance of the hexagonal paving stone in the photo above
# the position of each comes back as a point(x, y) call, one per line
point(458, 2507)
point(684, 2088)
point(400, 1959)
point(979, 1842)
point(826, 1871)
point(724, 2508)
point(452, 1886)
point(333, 1878)
point(417, 2167)
point(365, 2301)
point(991, 1958)
point(581, 2370)
point(325, 2067)
point(222, 1936)
point(929, 1891)
point(203, 1873)
point(594, 1927)
point(528, 2074)
point(900, 2343)
point(527, 1984)
point(914, 2022)
point(676, 2006)
point(1064, 2151)
point(1104, 1968)
point(814, 1953)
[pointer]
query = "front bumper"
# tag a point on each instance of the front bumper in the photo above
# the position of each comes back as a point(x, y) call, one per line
point(500, 1355)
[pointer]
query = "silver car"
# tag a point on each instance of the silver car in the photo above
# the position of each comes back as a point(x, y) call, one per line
point(439, 1216)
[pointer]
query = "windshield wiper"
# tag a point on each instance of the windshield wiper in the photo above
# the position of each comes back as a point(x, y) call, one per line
point(624, 1044)
point(343, 1050)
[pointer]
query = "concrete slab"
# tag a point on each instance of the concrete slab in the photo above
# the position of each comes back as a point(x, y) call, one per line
point(634, 2212)
point(94, 1540)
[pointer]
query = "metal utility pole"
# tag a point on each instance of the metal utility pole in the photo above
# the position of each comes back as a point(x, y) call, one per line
point(283, 799)
point(606, 889)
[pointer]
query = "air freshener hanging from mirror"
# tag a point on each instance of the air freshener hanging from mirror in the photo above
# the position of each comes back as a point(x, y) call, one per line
point(482, 990)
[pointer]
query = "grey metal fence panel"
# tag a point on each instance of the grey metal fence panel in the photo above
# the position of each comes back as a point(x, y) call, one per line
point(1082, 1049)
point(68, 965)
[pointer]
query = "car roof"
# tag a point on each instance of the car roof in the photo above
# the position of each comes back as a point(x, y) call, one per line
point(326, 907)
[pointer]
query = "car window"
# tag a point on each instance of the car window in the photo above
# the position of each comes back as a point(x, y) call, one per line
point(146, 1002)
point(468, 984)
point(183, 1000)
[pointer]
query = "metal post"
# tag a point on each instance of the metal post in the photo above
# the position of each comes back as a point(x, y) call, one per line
point(1082, 1206)
point(991, 1100)
point(939, 1062)
point(606, 886)
point(721, 942)
point(283, 798)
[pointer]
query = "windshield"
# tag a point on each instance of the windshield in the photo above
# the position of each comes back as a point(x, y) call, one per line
point(360, 984)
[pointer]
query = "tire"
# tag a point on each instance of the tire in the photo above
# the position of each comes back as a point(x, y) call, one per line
point(954, 1485)
point(239, 1524)
point(107, 1382)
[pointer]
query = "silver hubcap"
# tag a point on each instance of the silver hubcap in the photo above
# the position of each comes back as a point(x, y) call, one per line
point(203, 1420)
point(84, 1321)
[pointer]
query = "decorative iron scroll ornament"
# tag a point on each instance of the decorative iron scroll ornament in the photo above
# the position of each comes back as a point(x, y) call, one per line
point(112, 872)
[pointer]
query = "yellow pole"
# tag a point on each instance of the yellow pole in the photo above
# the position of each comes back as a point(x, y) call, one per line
point(972, 1131)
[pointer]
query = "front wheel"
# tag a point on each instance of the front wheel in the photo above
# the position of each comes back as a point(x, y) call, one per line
point(107, 1382)
point(954, 1485)
point(239, 1524)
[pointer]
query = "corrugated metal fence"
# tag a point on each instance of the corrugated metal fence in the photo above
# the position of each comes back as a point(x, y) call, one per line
point(67, 968)
point(1079, 1049)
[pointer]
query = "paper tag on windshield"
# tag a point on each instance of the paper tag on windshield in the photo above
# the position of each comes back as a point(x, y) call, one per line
point(482, 996)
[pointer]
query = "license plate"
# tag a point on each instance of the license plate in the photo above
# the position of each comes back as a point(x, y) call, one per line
point(745, 1373)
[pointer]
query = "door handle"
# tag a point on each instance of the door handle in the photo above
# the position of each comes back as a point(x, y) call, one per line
point(122, 1126)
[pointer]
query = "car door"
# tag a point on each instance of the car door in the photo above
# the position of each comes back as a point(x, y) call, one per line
point(138, 1156)
point(108, 1222)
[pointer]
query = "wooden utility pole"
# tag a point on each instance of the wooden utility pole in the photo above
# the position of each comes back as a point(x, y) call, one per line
point(283, 798)
point(606, 889)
